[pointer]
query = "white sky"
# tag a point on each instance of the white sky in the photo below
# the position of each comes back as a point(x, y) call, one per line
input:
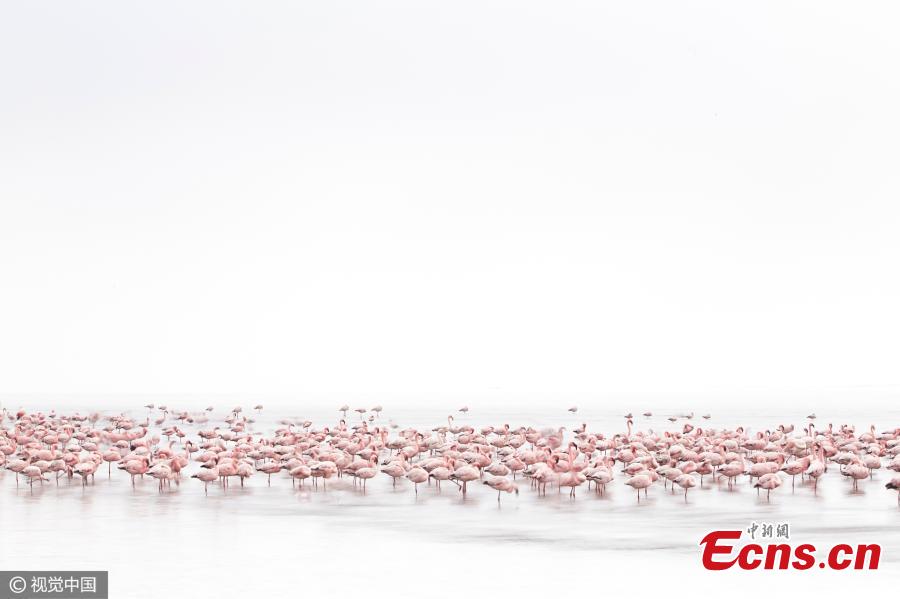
point(454, 196)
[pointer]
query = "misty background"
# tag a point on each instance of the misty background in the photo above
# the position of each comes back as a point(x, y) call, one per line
point(489, 200)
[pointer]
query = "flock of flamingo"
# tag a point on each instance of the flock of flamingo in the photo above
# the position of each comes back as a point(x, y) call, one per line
point(39, 446)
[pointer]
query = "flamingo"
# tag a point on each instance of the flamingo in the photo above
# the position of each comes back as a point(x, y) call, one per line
point(207, 476)
point(817, 468)
point(161, 472)
point(33, 473)
point(794, 468)
point(638, 482)
point(464, 474)
point(502, 484)
point(395, 470)
point(440, 473)
point(267, 468)
point(85, 469)
point(731, 471)
point(768, 482)
point(871, 462)
point(40, 443)
point(135, 467)
point(685, 481)
point(856, 471)
point(367, 472)
point(302, 471)
point(417, 475)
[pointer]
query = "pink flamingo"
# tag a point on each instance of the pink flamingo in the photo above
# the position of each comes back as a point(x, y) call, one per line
point(161, 472)
point(464, 474)
point(207, 475)
point(731, 471)
point(440, 473)
point(135, 467)
point(685, 481)
point(32, 473)
point(638, 482)
point(417, 475)
point(817, 468)
point(367, 472)
point(856, 471)
point(796, 467)
point(17, 466)
point(268, 468)
point(85, 469)
point(395, 470)
point(110, 456)
point(301, 472)
point(502, 484)
point(226, 469)
point(768, 482)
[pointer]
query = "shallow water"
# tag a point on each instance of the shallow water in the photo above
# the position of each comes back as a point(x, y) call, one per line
point(271, 540)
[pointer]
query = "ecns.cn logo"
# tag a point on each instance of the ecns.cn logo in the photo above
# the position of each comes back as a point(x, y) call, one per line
point(718, 554)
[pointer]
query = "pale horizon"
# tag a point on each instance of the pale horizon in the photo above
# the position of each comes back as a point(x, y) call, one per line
point(543, 199)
